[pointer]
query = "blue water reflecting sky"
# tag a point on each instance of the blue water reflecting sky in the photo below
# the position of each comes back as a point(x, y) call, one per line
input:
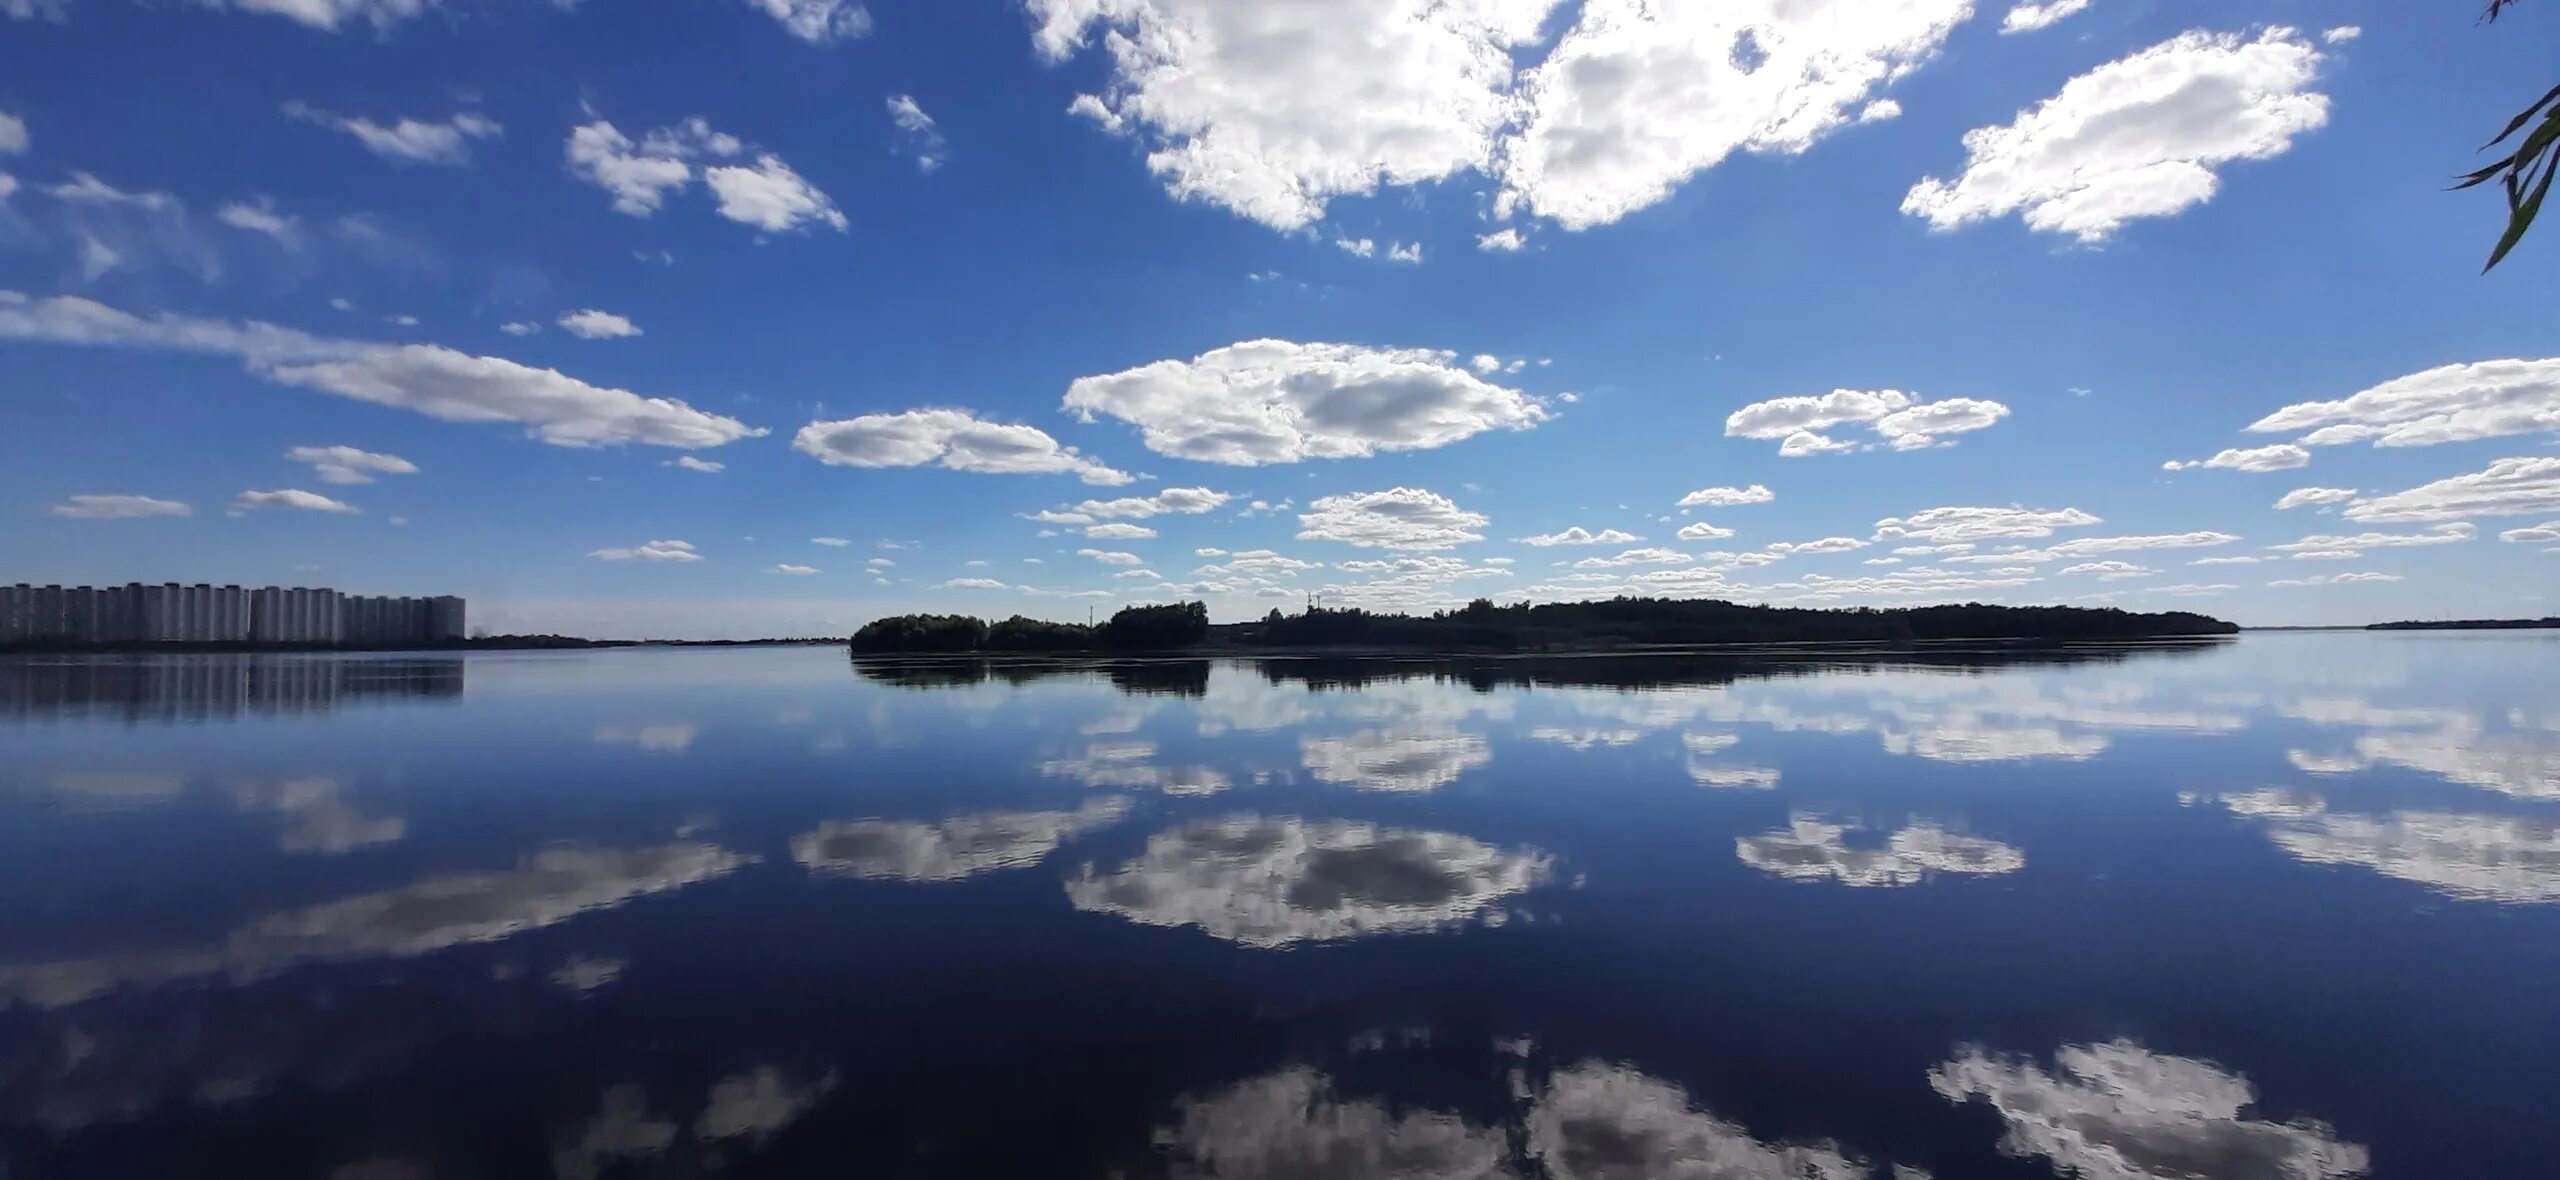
point(2283, 907)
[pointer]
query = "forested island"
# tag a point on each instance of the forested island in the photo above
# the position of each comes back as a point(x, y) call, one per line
point(1483, 625)
point(2466, 625)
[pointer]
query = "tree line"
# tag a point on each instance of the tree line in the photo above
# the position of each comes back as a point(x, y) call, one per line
point(1166, 627)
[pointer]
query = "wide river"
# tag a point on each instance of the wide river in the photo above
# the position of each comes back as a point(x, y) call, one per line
point(2287, 906)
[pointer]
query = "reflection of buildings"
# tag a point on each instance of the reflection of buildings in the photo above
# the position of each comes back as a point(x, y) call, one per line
point(172, 613)
point(2121, 1111)
point(198, 687)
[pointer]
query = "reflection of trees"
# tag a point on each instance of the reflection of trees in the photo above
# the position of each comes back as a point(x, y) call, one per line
point(1273, 882)
point(428, 915)
point(946, 850)
point(1691, 668)
point(1187, 678)
point(1810, 850)
point(2118, 1111)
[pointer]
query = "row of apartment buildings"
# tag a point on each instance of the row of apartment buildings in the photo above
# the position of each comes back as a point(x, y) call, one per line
point(174, 613)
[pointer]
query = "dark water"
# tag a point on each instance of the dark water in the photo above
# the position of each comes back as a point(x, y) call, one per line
point(2288, 907)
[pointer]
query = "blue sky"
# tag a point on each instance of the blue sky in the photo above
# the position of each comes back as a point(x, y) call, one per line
point(1424, 281)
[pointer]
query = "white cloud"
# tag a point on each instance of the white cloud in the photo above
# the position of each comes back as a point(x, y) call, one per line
point(408, 140)
point(2342, 34)
point(1281, 881)
point(1879, 111)
point(918, 135)
point(589, 324)
point(1808, 849)
point(435, 381)
point(1110, 556)
point(520, 328)
point(118, 230)
point(1404, 252)
point(797, 571)
point(1276, 1124)
point(1357, 247)
point(1825, 545)
point(2507, 487)
point(2443, 534)
point(639, 180)
point(13, 132)
point(294, 498)
point(1727, 497)
point(954, 439)
point(972, 584)
point(1702, 531)
point(1276, 401)
point(2301, 496)
point(2122, 1112)
point(770, 196)
point(2547, 531)
point(2449, 403)
point(1116, 531)
point(1599, 1121)
point(1242, 105)
point(1577, 535)
point(1396, 518)
point(1639, 96)
point(1655, 555)
point(2333, 580)
point(261, 218)
point(1239, 105)
point(1980, 524)
point(818, 21)
point(1901, 420)
point(2109, 571)
point(2136, 137)
point(2027, 15)
point(2279, 457)
point(1501, 241)
point(1171, 501)
point(119, 507)
point(348, 465)
point(2089, 546)
point(831, 542)
point(678, 551)
point(1394, 759)
point(2240, 560)
point(327, 15)
point(705, 466)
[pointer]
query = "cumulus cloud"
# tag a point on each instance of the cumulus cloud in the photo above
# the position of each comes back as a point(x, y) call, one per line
point(1278, 881)
point(117, 507)
point(2349, 579)
point(260, 217)
point(2137, 137)
point(1899, 419)
point(972, 584)
point(1116, 531)
point(13, 131)
point(435, 381)
point(349, 465)
point(918, 135)
point(2449, 403)
point(1808, 849)
point(1578, 535)
point(946, 850)
point(1276, 401)
point(2121, 1111)
point(2315, 496)
point(294, 498)
point(407, 140)
point(1110, 556)
point(1397, 518)
point(2090, 546)
point(2547, 531)
point(1171, 501)
point(1727, 497)
point(2027, 15)
point(1958, 525)
point(1501, 241)
point(2279, 457)
point(676, 551)
point(832, 542)
point(2351, 543)
point(2109, 571)
point(2507, 487)
point(1825, 545)
point(955, 439)
point(1702, 531)
point(789, 570)
point(762, 192)
point(587, 323)
point(1394, 760)
point(1238, 104)
point(1637, 97)
point(818, 21)
point(689, 463)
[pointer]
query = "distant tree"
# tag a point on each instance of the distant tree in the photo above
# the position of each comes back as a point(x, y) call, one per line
point(1274, 617)
point(2525, 172)
point(1156, 628)
point(935, 633)
point(1024, 634)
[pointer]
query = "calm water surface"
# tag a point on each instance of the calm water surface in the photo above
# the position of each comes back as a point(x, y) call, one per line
point(2285, 907)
